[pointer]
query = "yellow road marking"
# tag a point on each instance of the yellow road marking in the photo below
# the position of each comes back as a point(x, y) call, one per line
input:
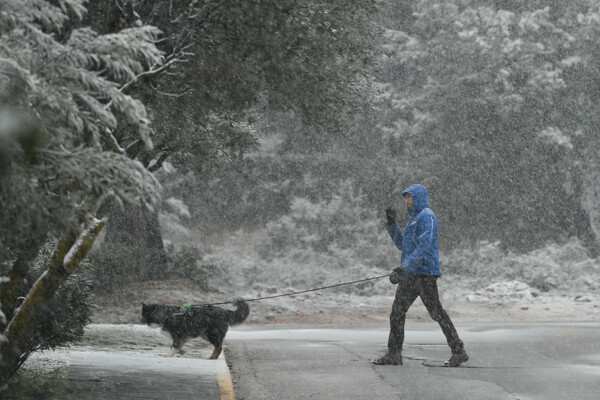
point(224, 378)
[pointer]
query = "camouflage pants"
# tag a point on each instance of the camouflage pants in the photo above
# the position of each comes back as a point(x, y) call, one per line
point(408, 290)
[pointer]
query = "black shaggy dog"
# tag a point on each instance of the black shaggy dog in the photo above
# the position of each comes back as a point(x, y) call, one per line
point(209, 322)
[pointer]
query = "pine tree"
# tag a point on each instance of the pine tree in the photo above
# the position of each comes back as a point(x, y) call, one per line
point(62, 94)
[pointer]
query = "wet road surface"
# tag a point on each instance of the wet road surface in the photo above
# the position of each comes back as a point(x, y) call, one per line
point(507, 361)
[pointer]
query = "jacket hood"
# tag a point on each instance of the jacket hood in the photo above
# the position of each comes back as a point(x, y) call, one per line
point(420, 195)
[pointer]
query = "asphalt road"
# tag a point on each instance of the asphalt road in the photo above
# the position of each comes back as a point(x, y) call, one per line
point(507, 361)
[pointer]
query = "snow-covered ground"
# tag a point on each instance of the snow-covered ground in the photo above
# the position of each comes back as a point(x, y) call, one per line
point(127, 339)
point(109, 349)
point(488, 284)
point(554, 283)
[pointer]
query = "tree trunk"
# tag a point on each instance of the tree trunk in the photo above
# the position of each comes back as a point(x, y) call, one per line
point(138, 228)
point(68, 255)
point(581, 224)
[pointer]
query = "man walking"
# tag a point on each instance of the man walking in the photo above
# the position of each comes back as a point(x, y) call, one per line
point(417, 276)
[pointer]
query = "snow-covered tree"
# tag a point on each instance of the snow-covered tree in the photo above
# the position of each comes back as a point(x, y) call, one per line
point(226, 62)
point(496, 113)
point(62, 94)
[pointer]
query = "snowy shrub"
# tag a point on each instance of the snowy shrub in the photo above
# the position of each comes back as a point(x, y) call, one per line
point(110, 266)
point(502, 292)
point(565, 267)
point(170, 218)
point(339, 226)
point(185, 263)
point(67, 313)
point(66, 316)
point(309, 247)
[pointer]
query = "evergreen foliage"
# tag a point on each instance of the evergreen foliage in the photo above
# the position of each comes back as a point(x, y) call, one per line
point(227, 60)
point(78, 126)
point(61, 95)
point(488, 104)
point(491, 105)
point(65, 316)
point(109, 268)
point(64, 98)
point(227, 63)
point(327, 226)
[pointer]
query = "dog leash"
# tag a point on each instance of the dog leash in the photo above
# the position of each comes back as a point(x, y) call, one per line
point(293, 293)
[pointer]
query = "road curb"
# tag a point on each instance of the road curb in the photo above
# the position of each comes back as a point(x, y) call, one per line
point(224, 378)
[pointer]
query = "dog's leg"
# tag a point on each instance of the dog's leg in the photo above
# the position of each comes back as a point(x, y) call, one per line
point(216, 340)
point(216, 352)
point(180, 348)
point(176, 346)
point(172, 353)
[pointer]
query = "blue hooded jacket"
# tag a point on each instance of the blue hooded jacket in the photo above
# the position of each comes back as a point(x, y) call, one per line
point(419, 244)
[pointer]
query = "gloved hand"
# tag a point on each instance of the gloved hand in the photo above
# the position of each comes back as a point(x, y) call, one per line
point(397, 275)
point(390, 214)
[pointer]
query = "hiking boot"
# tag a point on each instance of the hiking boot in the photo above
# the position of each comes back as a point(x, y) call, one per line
point(457, 359)
point(389, 359)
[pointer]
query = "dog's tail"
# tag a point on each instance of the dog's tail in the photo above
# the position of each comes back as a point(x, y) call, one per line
point(240, 313)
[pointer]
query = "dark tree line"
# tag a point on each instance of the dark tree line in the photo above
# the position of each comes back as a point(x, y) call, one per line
point(227, 62)
point(491, 104)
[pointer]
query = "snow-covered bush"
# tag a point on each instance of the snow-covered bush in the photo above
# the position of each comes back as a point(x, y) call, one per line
point(109, 266)
point(171, 217)
point(186, 263)
point(339, 226)
point(317, 244)
point(66, 317)
point(564, 267)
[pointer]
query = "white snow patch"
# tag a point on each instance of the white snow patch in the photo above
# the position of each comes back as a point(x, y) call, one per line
point(570, 61)
point(556, 136)
point(502, 292)
point(178, 207)
point(136, 339)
